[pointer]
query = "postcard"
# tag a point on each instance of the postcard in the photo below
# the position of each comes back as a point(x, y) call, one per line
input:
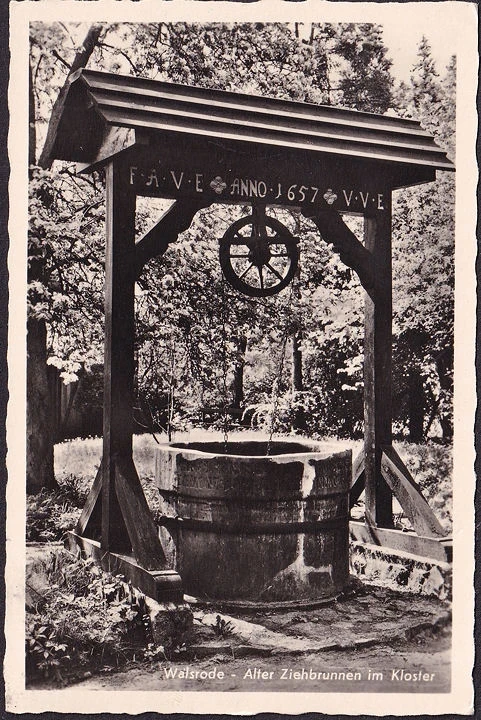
point(241, 357)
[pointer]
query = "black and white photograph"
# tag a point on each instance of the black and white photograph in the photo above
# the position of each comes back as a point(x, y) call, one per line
point(241, 357)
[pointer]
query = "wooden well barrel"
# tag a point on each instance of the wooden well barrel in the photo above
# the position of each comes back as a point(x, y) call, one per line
point(243, 526)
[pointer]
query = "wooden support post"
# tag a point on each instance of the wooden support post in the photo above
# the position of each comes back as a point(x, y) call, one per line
point(378, 369)
point(127, 523)
point(119, 347)
point(116, 506)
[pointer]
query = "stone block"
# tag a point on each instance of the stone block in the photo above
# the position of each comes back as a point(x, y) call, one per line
point(171, 623)
point(400, 570)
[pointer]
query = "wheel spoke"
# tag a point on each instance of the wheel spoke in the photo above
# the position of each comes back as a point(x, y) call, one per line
point(257, 247)
point(276, 273)
point(245, 271)
point(261, 276)
point(240, 240)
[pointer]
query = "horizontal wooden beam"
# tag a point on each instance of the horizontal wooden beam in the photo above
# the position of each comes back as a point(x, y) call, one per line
point(409, 495)
point(161, 585)
point(424, 547)
point(114, 141)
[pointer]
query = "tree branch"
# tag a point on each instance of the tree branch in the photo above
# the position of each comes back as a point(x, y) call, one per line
point(120, 52)
point(59, 57)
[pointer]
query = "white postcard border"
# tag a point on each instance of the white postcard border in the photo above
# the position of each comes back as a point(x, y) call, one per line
point(462, 20)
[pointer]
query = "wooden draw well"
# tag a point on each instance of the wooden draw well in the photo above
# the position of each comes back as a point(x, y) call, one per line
point(199, 147)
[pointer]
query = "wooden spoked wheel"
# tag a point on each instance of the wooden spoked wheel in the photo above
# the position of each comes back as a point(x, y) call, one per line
point(258, 255)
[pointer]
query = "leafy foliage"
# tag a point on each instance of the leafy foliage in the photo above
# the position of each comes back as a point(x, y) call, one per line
point(366, 82)
point(51, 513)
point(195, 337)
point(88, 619)
point(423, 246)
point(222, 628)
point(62, 214)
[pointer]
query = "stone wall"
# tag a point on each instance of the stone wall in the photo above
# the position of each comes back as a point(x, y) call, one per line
point(400, 570)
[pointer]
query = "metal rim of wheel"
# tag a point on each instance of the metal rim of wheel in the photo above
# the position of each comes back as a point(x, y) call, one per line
point(260, 262)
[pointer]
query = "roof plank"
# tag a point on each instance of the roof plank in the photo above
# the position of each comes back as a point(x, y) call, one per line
point(286, 140)
point(142, 104)
point(268, 123)
point(167, 92)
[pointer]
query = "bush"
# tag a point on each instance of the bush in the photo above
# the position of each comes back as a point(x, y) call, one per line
point(88, 619)
point(51, 512)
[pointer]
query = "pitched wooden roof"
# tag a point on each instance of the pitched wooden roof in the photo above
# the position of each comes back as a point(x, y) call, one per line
point(97, 99)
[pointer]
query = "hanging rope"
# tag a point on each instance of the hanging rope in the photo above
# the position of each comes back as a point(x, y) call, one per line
point(170, 394)
point(193, 367)
point(280, 368)
point(225, 418)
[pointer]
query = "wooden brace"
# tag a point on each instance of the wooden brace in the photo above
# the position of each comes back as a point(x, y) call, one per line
point(334, 230)
point(166, 231)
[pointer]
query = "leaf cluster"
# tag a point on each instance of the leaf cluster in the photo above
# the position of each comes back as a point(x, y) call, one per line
point(89, 619)
point(51, 513)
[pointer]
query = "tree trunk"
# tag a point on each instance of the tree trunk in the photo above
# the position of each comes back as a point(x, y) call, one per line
point(299, 420)
point(40, 471)
point(238, 381)
point(444, 366)
point(40, 413)
point(416, 406)
point(40, 425)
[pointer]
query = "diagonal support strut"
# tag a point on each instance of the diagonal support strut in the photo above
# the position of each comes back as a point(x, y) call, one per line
point(166, 231)
point(409, 495)
point(334, 230)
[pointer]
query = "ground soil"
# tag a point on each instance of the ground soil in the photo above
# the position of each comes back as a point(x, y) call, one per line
point(379, 669)
point(372, 640)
